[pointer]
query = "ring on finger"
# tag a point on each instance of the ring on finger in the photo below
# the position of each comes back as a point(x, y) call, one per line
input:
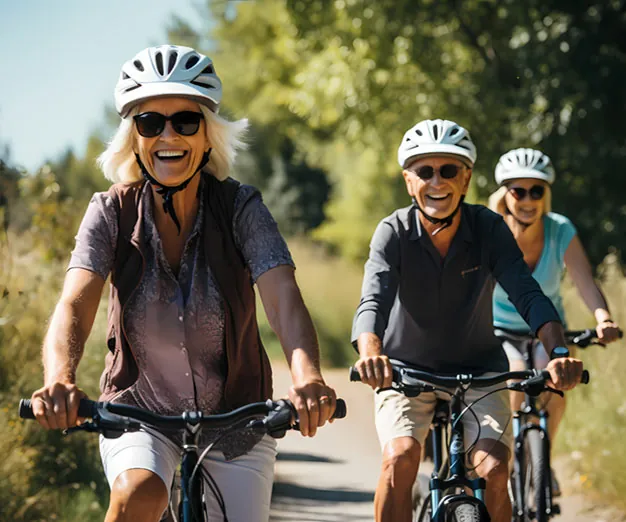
point(324, 400)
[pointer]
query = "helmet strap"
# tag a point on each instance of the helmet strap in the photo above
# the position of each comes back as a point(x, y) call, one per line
point(445, 222)
point(167, 193)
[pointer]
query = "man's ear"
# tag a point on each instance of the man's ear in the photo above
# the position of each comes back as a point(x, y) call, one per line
point(407, 180)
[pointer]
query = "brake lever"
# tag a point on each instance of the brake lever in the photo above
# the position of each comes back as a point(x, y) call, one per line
point(110, 425)
point(278, 421)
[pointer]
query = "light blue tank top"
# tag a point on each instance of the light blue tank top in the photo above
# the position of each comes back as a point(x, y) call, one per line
point(558, 233)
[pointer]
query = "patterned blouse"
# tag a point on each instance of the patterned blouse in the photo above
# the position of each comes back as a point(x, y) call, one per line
point(175, 323)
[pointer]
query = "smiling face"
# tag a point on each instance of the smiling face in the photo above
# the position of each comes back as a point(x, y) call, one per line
point(170, 157)
point(438, 197)
point(526, 210)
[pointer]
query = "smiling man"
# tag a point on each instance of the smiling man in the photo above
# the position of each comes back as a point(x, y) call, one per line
point(427, 301)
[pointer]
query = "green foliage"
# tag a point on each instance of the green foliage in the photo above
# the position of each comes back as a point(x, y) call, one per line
point(343, 79)
point(43, 475)
point(595, 419)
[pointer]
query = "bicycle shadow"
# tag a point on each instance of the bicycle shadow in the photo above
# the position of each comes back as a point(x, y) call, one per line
point(292, 501)
point(289, 456)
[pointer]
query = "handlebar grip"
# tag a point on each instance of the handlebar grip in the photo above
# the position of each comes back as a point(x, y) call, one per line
point(354, 375)
point(85, 409)
point(25, 409)
point(340, 409)
point(585, 377)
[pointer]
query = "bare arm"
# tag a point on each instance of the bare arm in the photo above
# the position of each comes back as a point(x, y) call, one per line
point(56, 404)
point(579, 268)
point(374, 368)
point(290, 319)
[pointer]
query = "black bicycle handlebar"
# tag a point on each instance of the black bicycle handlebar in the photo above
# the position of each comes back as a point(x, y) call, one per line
point(90, 409)
point(403, 374)
point(580, 338)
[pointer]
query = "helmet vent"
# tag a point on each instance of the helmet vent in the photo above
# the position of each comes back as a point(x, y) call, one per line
point(208, 70)
point(159, 63)
point(171, 62)
point(200, 82)
point(454, 131)
point(193, 60)
point(125, 76)
point(138, 64)
point(436, 132)
point(419, 132)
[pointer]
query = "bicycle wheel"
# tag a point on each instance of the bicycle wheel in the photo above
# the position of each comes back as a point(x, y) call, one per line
point(536, 494)
point(464, 513)
point(422, 512)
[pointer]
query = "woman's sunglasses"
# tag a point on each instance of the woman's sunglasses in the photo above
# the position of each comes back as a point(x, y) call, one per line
point(151, 124)
point(447, 171)
point(535, 192)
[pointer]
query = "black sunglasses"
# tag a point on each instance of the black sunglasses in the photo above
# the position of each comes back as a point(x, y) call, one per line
point(447, 171)
point(535, 192)
point(151, 124)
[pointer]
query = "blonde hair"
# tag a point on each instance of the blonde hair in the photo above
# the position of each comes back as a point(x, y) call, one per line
point(118, 161)
point(497, 202)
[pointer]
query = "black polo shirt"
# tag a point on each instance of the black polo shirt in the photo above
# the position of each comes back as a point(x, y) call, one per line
point(437, 313)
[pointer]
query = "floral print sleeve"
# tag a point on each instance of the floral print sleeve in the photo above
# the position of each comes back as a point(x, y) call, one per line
point(96, 237)
point(257, 234)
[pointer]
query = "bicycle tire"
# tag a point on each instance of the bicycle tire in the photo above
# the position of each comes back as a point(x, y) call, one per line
point(539, 477)
point(422, 512)
point(464, 513)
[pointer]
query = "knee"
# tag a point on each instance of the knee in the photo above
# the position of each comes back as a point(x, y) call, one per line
point(495, 471)
point(401, 461)
point(137, 495)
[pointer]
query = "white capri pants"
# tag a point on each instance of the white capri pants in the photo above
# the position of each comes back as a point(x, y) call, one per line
point(245, 482)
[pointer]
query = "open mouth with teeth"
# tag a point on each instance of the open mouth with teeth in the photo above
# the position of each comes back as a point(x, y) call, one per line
point(170, 155)
point(437, 197)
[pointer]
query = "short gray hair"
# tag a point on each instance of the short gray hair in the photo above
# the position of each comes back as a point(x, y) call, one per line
point(118, 161)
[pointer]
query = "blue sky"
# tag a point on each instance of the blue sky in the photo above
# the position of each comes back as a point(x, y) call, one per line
point(59, 64)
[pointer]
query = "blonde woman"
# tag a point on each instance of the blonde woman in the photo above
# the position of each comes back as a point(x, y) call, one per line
point(549, 243)
point(184, 244)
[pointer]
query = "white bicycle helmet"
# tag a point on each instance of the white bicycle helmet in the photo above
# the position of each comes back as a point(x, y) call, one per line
point(431, 137)
point(167, 70)
point(524, 163)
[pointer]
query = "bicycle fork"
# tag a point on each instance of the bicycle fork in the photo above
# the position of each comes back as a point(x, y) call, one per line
point(520, 430)
point(458, 478)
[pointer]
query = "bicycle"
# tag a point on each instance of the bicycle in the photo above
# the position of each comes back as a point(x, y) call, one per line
point(531, 478)
point(448, 500)
point(112, 420)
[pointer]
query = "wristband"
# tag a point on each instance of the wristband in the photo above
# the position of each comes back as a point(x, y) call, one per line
point(558, 352)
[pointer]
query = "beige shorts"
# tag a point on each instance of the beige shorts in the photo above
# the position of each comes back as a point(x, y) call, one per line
point(397, 415)
point(245, 482)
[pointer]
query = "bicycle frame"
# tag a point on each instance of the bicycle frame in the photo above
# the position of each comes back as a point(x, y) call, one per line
point(189, 461)
point(521, 426)
point(449, 412)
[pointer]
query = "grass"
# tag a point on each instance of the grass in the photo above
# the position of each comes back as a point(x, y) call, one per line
point(595, 420)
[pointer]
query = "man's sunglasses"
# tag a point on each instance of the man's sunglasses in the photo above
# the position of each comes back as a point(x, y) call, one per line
point(535, 192)
point(151, 124)
point(447, 171)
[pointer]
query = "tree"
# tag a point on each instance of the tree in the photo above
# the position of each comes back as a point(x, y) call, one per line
point(343, 79)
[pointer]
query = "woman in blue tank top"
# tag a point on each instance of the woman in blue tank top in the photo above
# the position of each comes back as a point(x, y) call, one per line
point(549, 243)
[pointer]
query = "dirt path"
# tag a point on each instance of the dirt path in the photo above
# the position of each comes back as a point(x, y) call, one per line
point(332, 477)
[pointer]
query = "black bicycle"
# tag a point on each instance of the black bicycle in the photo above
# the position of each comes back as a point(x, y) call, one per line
point(112, 420)
point(531, 478)
point(449, 482)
